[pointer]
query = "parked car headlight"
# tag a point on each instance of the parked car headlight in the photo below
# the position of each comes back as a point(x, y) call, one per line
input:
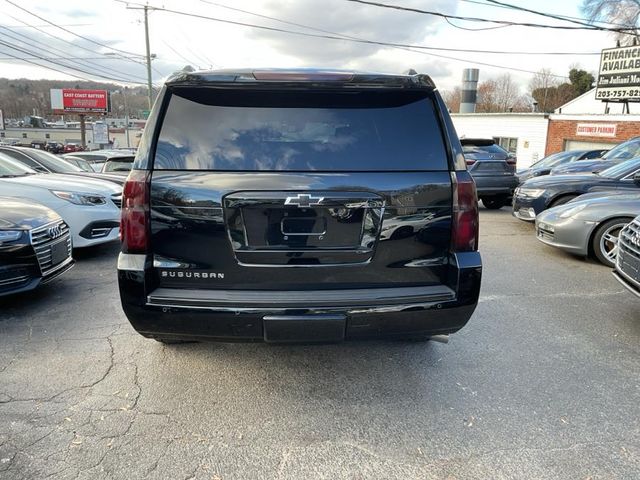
point(9, 235)
point(572, 211)
point(531, 192)
point(80, 198)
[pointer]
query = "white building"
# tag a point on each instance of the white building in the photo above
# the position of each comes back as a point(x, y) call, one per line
point(524, 134)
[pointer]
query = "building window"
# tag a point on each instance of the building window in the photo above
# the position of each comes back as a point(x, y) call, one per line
point(47, 135)
point(1, 134)
point(24, 135)
point(508, 143)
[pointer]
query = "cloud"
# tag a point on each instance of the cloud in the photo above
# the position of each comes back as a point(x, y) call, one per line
point(351, 19)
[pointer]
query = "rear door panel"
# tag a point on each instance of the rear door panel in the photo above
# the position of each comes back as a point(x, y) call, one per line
point(236, 231)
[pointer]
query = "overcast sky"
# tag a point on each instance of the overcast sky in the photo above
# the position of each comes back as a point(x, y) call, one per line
point(177, 40)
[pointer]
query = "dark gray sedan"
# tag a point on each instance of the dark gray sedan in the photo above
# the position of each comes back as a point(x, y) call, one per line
point(589, 225)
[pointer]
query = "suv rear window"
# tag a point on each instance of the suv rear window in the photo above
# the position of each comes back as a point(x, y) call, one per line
point(300, 131)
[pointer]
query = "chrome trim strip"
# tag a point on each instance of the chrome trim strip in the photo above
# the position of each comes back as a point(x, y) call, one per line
point(133, 262)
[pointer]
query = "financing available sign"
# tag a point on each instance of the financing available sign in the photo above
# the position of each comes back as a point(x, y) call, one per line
point(69, 100)
point(619, 75)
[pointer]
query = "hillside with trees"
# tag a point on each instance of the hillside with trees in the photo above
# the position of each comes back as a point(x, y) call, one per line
point(22, 97)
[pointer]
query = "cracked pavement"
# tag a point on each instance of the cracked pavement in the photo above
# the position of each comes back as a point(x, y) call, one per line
point(544, 383)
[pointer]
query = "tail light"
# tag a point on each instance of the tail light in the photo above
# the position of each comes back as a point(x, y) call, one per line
point(465, 226)
point(470, 162)
point(134, 220)
point(512, 160)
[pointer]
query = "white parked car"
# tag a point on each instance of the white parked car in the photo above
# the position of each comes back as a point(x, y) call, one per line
point(90, 207)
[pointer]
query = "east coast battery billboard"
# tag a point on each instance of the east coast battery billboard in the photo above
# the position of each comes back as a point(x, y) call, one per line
point(619, 75)
point(69, 100)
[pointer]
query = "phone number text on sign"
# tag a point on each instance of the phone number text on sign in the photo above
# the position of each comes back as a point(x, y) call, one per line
point(620, 93)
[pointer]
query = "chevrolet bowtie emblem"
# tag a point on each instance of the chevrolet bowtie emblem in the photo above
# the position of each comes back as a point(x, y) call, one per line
point(303, 200)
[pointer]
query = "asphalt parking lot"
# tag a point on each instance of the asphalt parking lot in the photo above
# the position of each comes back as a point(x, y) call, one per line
point(544, 383)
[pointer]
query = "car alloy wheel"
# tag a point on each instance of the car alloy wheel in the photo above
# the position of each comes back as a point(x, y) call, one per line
point(605, 241)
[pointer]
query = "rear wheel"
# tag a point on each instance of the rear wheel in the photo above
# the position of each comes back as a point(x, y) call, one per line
point(562, 200)
point(494, 203)
point(605, 240)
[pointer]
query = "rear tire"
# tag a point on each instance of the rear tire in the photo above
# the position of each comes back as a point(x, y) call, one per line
point(562, 200)
point(494, 203)
point(605, 240)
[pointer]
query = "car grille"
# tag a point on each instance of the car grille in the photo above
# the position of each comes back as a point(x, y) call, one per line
point(117, 199)
point(628, 252)
point(43, 240)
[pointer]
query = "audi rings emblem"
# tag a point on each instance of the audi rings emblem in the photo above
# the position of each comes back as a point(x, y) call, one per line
point(54, 232)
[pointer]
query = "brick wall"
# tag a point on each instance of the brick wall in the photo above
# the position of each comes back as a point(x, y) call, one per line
point(561, 130)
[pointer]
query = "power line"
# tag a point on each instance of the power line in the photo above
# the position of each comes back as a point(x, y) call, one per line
point(487, 20)
point(48, 67)
point(336, 36)
point(370, 42)
point(71, 32)
point(49, 26)
point(481, 29)
point(61, 58)
point(543, 14)
point(347, 37)
point(51, 49)
point(189, 62)
point(37, 28)
point(563, 17)
point(31, 53)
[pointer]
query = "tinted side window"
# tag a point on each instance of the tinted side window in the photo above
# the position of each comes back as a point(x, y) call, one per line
point(304, 132)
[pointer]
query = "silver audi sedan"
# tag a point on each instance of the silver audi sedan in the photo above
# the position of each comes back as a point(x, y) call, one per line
point(589, 225)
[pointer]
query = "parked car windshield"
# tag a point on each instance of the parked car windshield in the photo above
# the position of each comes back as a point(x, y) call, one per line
point(80, 162)
point(118, 165)
point(626, 150)
point(622, 169)
point(296, 131)
point(12, 168)
point(54, 163)
point(554, 159)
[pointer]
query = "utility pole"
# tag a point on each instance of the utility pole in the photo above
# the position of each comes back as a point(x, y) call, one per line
point(149, 56)
point(146, 38)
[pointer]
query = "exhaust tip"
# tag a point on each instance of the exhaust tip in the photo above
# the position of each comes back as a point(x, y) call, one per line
point(439, 338)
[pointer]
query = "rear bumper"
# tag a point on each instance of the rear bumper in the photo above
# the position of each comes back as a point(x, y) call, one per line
point(495, 185)
point(308, 316)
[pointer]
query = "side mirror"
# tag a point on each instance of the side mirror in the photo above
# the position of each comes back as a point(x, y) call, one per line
point(636, 178)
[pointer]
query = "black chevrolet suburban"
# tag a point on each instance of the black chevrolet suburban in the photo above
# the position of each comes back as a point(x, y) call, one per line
point(299, 206)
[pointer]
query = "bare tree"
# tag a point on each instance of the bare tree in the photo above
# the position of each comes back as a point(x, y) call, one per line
point(452, 99)
point(543, 87)
point(622, 13)
point(500, 95)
